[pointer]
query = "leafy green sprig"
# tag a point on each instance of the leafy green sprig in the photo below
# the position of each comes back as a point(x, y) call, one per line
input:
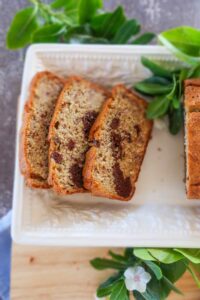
point(73, 21)
point(183, 42)
point(165, 266)
point(165, 88)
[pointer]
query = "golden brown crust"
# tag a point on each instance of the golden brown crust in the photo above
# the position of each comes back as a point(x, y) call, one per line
point(37, 184)
point(193, 155)
point(52, 179)
point(89, 182)
point(192, 82)
point(24, 162)
point(192, 132)
point(192, 92)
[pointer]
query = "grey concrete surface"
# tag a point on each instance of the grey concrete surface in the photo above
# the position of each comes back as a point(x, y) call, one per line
point(155, 15)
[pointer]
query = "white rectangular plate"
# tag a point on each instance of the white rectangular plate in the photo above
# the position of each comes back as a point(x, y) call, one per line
point(159, 215)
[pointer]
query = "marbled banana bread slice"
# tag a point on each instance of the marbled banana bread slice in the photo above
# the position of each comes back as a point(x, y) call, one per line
point(76, 111)
point(192, 137)
point(44, 91)
point(120, 136)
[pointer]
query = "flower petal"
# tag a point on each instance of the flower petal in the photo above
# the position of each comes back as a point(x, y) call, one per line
point(129, 273)
point(139, 270)
point(130, 284)
point(141, 287)
point(146, 277)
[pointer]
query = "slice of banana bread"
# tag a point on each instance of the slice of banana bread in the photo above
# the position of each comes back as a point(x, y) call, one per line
point(192, 137)
point(120, 136)
point(76, 111)
point(44, 91)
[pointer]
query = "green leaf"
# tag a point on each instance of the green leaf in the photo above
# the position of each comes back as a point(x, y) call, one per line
point(60, 3)
point(172, 286)
point(159, 80)
point(175, 119)
point(166, 256)
point(193, 255)
point(71, 8)
point(176, 103)
point(102, 264)
point(138, 296)
point(150, 88)
point(128, 253)
point(155, 68)
point(119, 291)
point(106, 25)
point(156, 290)
point(156, 109)
point(126, 31)
point(154, 268)
point(144, 39)
point(174, 271)
point(174, 88)
point(48, 33)
point(88, 8)
point(197, 267)
point(86, 39)
point(143, 254)
point(117, 257)
point(194, 72)
point(22, 28)
point(194, 275)
point(184, 42)
point(106, 287)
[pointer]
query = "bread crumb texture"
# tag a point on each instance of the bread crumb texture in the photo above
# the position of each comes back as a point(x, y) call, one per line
point(120, 136)
point(76, 111)
point(45, 90)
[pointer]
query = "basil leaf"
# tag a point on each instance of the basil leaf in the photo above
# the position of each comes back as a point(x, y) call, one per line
point(22, 28)
point(156, 109)
point(196, 267)
point(128, 253)
point(48, 33)
point(119, 291)
point(194, 275)
point(143, 254)
point(154, 268)
point(176, 103)
point(184, 42)
point(174, 271)
point(88, 8)
point(155, 68)
point(86, 39)
point(72, 10)
point(159, 80)
point(144, 39)
point(175, 119)
point(194, 72)
point(126, 31)
point(166, 256)
point(174, 88)
point(138, 296)
point(60, 3)
point(117, 257)
point(149, 295)
point(192, 255)
point(106, 287)
point(102, 264)
point(149, 88)
point(156, 290)
point(171, 286)
point(106, 25)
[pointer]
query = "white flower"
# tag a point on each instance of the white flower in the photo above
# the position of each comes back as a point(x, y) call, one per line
point(136, 278)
